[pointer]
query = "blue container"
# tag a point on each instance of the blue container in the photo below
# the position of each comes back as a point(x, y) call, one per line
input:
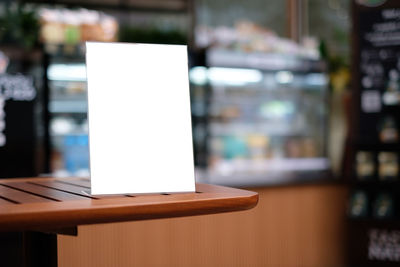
point(76, 153)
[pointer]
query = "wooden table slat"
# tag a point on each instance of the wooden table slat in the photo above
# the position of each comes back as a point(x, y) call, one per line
point(43, 191)
point(5, 202)
point(71, 209)
point(79, 182)
point(20, 196)
point(75, 189)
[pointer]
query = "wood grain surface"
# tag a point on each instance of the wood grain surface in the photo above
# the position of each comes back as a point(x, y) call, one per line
point(291, 226)
point(49, 203)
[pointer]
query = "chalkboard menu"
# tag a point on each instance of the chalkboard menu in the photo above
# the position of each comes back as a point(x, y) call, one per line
point(17, 136)
point(374, 202)
point(379, 66)
point(20, 76)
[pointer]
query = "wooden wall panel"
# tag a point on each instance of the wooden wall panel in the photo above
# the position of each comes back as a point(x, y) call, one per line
point(291, 226)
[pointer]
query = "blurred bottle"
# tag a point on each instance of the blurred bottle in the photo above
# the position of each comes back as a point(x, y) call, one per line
point(358, 204)
point(388, 166)
point(383, 206)
point(76, 153)
point(365, 165)
point(388, 131)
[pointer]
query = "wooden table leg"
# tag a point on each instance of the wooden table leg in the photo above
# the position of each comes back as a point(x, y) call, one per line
point(11, 249)
point(28, 249)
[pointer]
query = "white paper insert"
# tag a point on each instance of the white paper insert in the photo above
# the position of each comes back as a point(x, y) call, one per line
point(140, 137)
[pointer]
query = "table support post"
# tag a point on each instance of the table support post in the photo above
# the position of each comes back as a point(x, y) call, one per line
point(28, 249)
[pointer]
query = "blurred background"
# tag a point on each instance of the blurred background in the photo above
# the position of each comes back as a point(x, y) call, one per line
point(259, 74)
point(294, 99)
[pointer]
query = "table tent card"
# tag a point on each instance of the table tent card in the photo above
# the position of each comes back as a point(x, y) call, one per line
point(140, 137)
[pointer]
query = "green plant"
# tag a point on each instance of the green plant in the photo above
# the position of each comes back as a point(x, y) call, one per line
point(338, 69)
point(19, 26)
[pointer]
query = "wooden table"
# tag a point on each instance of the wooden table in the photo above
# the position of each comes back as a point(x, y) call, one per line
point(60, 205)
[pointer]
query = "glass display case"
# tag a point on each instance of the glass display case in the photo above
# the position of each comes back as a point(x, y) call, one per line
point(67, 105)
point(257, 118)
point(266, 117)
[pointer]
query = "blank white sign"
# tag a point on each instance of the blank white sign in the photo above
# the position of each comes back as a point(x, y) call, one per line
point(140, 137)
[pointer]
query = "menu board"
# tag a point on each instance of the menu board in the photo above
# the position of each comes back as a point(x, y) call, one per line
point(374, 202)
point(379, 68)
point(17, 129)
